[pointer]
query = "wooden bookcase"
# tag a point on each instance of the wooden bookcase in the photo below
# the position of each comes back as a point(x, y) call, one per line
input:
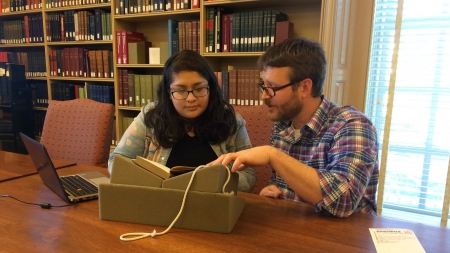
point(307, 16)
point(45, 77)
point(312, 19)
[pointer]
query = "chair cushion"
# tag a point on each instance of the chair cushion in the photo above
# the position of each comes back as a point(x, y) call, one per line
point(78, 130)
point(259, 128)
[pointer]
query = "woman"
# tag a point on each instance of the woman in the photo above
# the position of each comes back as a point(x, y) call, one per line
point(191, 124)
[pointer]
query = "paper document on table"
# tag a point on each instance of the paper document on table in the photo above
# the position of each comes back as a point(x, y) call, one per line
point(389, 240)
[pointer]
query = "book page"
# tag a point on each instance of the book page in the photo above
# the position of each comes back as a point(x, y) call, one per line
point(395, 240)
point(154, 167)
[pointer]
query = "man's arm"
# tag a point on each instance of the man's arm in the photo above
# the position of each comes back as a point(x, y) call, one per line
point(300, 177)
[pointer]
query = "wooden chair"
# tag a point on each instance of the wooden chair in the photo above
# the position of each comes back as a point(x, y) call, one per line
point(78, 131)
point(258, 128)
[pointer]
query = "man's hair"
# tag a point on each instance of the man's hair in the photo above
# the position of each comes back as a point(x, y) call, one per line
point(216, 123)
point(305, 58)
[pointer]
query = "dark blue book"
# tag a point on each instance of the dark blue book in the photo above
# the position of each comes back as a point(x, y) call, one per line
point(173, 36)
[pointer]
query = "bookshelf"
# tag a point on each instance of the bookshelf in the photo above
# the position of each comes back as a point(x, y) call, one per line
point(306, 15)
point(313, 19)
point(55, 40)
point(17, 116)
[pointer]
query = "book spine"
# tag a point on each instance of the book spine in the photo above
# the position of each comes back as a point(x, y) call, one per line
point(99, 63)
point(137, 91)
point(105, 55)
point(125, 88)
point(119, 46)
point(131, 94)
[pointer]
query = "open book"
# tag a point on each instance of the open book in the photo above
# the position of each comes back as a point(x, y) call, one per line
point(161, 170)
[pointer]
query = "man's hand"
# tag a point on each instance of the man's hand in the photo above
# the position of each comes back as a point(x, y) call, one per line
point(257, 156)
point(270, 191)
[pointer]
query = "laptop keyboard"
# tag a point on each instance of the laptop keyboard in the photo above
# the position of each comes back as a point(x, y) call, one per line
point(78, 186)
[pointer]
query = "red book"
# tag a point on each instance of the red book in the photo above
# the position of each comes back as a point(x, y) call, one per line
point(225, 33)
point(63, 31)
point(283, 31)
point(119, 50)
point(54, 63)
point(99, 63)
point(80, 56)
point(126, 37)
point(73, 61)
point(256, 76)
point(77, 92)
point(195, 4)
point(232, 75)
point(240, 97)
point(121, 86)
point(194, 36)
point(92, 63)
point(66, 65)
point(27, 29)
point(246, 87)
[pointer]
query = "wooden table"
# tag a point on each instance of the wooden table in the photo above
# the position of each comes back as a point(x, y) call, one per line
point(265, 225)
point(15, 165)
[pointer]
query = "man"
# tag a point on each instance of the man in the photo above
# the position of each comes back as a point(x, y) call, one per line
point(321, 153)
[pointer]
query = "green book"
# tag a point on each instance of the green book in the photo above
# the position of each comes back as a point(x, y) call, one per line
point(143, 90)
point(137, 91)
point(131, 90)
point(155, 83)
point(149, 88)
point(164, 52)
point(136, 53)
point(81, 92)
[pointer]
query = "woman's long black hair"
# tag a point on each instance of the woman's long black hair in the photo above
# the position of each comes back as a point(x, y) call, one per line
point(214, 125)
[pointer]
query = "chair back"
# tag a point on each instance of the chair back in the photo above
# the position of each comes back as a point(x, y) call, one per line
point(78, 130)
point(259, 128)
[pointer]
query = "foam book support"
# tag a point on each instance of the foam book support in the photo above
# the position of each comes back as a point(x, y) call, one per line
point(136, 195)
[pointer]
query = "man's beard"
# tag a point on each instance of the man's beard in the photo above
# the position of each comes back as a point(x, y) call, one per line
point(287, 111)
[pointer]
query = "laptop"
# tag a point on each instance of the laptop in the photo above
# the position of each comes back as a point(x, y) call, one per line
point(72, 188)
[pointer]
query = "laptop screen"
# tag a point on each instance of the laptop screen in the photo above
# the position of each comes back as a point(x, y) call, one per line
point(44, 165)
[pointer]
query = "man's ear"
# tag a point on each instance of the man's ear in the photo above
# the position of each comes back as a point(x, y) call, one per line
point(305, 87)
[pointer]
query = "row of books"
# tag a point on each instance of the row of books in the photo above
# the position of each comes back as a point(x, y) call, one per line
point(26, 30)
point(39, 118)
point(123, 38)
point(67, 91)
point(19, 5)
point(240, 87)
point(39, 94)
point(137, 90)
point(241, 32)
point(81, 62)
point(64, 3)
point(12, 82)
point(79, 26)
point(140, 6)
point(34, 61)
point(183, 35)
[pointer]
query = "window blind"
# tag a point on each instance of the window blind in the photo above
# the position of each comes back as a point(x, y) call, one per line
point(408, 100)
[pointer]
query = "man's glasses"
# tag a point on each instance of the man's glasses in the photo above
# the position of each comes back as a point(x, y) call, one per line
point(270, 91)
point(183, 94)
